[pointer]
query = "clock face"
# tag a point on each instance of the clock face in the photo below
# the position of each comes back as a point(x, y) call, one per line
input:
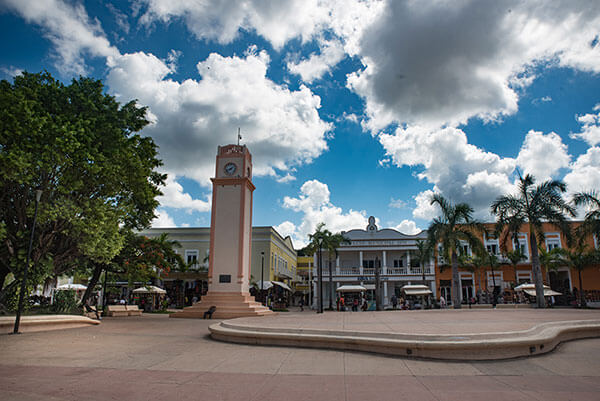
point(230, 168)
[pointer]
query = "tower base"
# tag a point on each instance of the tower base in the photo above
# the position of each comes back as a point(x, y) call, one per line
point(229, 305)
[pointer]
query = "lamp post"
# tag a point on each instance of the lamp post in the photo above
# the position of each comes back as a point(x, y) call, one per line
point(262, 273)
point(320, 277)
point(38, 195)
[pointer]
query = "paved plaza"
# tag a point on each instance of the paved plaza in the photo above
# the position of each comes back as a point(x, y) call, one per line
point(155, 358)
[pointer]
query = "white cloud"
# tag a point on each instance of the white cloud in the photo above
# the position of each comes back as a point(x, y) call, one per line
point(285, 179)
point(163, 219)
point(191, 118)
point(173, 196)
point(425, 210)
point(286, 229)
point(69, 28)
point(451, 164)
point(408, 227)
point(590, 131)
point(397, 203)
point(442, 63)
point(585, 172)
point(543, 155)
point(316, 65)
point(315, 205)
point(276, 21)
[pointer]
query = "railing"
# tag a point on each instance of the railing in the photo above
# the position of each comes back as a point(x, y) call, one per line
point(368, 271)
point(349, 271)
point(397, 270)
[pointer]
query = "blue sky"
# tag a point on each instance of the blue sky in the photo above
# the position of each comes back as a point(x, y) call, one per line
point(350, 108)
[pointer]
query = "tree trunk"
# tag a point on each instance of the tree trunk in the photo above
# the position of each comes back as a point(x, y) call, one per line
point(3, 273)
point(377, 285)
point(537, 271)
point(92, 283)
point(320, 281)
point(330, 284)
point(581, 296)
point(455, 282)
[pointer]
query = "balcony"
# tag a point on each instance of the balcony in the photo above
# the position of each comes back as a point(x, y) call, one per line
point(349, 271)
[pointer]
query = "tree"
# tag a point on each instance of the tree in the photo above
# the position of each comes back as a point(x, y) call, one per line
point(423, 255)
point(580, 258)
point(475, 264)
point(98, 175)
point(332, 242)
point(316, 241)
point(550, 260)
point(141, 259)
point(455, 225)
point(514, 257)
point(533, 206)
point(591, 223)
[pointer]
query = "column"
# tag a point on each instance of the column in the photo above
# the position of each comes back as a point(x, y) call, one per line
point(360, 262)
point(408, 261)
point(385, 294)
point(315, 295)
point(384, 266)
point(337, 265)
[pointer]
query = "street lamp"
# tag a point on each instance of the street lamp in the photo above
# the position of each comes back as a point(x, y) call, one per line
point(262, 273)
point(38, 195)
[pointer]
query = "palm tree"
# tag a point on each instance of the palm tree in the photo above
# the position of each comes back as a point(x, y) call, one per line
point(473, 264)
point(423, 255)
point(533, 206)
point(316, 243)
point(580, 258)
point(453, 226)
point(332, 242)
point(591, 224)
point(514, 258)
point(550, 260)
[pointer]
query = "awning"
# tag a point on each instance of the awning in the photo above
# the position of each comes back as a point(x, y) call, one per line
point(150, 289)
point(282, 285)
point(351, 288)
point(547, 292)
point(76, 287)
point(528, 286)
point(265, 285)
point(417, 289)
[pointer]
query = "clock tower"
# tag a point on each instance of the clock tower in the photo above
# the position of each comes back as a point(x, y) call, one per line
point(230, 239)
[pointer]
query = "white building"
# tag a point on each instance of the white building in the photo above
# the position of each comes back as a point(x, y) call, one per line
point(367, 249)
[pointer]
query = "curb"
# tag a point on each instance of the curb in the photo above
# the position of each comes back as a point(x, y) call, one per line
point(45, 322)
point(538, 340)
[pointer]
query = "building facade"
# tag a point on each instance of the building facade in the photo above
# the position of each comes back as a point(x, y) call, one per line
point(366, 250)
point(272, 257)
point(481, 282)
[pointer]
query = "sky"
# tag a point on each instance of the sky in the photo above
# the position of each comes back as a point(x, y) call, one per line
point(350, 108)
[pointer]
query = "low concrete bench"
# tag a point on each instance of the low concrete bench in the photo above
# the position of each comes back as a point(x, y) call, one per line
point(117, 310)
point(133, 310)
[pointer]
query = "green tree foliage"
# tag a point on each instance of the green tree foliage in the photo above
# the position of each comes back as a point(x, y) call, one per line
point(452, 229)
point(580, 258)
point(513, 258)
point(532, 206)
point(591, 223)
point(316, 245)
point(98, 175)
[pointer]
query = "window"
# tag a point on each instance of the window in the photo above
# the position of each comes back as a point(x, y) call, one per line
point(465, 249)
point(552, 241)
point(368, 264)
point(191, 258)
point(521, 243)
point(491, 244)
point(397, 262)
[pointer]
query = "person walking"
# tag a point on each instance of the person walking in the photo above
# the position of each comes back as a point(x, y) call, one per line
point(394, 301)
point(443, 303)
point(301, 304)
point(355, 305)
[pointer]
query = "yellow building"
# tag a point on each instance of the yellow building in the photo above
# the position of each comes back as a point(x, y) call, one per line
point(272, 257)
point(304, 272)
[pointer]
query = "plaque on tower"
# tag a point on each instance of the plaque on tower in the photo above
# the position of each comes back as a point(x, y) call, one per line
point(230, 239)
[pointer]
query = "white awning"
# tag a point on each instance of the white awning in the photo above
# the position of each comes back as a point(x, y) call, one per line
point(282, 285)
point(416, 289)
point(547, 292)
point(351, 288)
point(76, 287)
point(265, 285)
point(528, 286)
point(150, 289)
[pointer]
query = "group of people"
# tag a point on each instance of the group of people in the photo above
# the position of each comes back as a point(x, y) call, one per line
point(354, 303)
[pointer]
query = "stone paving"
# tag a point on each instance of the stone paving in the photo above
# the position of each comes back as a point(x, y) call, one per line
point(156, 358)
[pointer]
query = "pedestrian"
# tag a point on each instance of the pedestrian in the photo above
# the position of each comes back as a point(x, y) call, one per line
point(342, 307)
point(443, 303)
point(301, 304)
point(355, 305)
point(394, 301)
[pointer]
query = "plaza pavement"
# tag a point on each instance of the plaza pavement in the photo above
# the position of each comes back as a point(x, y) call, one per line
point(156, 358)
